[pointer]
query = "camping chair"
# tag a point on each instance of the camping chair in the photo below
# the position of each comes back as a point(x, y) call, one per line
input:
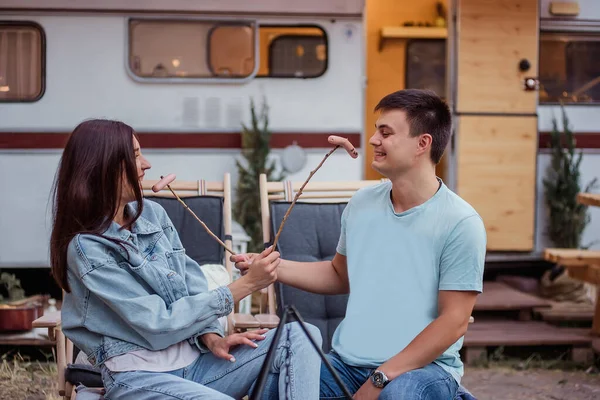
point(311, 233)
point(211, 201)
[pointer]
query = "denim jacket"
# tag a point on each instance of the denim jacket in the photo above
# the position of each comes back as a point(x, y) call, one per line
point(149, 297)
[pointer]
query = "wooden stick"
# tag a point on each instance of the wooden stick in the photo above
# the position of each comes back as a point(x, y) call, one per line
point(199, 220)
point(285, 217)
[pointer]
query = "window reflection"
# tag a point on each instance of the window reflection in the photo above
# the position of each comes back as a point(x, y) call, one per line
point(569, 68)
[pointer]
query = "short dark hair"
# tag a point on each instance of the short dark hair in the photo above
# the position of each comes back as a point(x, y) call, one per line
point(425, 112)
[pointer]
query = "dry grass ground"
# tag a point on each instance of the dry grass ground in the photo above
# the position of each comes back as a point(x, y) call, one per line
point(503, 379)
point(536, 377)
point(27, 380)
point(504, 383)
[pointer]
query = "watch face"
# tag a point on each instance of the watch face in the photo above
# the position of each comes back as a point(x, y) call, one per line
point(378, 379)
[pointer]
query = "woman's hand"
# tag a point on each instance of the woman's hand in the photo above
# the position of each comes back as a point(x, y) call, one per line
point(260, 269)
point(221, 346)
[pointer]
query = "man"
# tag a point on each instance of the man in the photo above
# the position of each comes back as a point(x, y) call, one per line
point(410, 254)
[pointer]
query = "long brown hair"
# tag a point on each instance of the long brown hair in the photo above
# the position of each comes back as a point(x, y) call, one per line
point(87, 187)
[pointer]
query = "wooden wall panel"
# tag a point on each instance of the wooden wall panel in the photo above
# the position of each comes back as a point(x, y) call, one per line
point(496, 174)
point(496, 143)
point(493, 37)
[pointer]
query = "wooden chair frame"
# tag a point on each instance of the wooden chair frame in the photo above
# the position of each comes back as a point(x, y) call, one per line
point(235, 322)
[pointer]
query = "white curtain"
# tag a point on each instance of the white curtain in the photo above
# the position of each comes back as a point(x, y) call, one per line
point(20, 63)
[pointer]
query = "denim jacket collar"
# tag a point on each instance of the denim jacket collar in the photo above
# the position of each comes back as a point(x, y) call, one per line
point(141, 226)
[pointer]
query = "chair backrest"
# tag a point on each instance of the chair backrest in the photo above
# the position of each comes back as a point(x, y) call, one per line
point(211, 202)
point(311, 233)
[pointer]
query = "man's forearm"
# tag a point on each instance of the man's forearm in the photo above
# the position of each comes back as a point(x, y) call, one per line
point(316, 277)
point(436, 338)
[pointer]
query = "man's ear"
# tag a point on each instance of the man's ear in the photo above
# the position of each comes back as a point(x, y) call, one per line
point(424, 143)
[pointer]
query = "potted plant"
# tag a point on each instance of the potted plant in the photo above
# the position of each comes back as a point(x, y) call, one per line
point(17, 312)
point(11, 288)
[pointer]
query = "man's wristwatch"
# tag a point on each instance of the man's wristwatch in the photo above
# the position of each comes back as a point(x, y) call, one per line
point(379, 379)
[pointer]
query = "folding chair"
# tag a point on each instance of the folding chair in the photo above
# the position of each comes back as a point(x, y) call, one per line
point(211, 202)
point(311, 233)
point(204, 198)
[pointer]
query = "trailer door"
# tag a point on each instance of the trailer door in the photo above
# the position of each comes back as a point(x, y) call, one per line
point(495, 52)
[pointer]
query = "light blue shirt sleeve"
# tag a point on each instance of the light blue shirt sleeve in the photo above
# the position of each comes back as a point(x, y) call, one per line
point(341, 247)
point(463, 256)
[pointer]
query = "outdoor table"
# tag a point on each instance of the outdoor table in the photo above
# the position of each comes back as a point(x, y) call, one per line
point(591, 272)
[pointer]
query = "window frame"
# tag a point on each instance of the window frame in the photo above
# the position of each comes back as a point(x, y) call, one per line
point(595, 37)
point(280, 25)
point(173, 79)
point(40, 29)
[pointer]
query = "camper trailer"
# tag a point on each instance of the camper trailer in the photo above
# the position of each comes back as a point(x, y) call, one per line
point(184, 74)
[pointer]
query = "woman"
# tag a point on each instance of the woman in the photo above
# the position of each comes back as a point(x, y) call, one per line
point(137, 305)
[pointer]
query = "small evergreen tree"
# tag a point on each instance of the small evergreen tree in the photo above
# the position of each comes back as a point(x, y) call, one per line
point(568, 218)
point(255, 153)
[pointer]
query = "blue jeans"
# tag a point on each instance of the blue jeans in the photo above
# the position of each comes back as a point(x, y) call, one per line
point(430, 382)
point(294, 373)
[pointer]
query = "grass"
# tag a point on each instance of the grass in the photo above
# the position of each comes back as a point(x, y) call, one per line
point(21, 378)
point(536, 360)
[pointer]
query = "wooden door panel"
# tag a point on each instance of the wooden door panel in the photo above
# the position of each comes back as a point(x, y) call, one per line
point(496, 174)
point(493, 37)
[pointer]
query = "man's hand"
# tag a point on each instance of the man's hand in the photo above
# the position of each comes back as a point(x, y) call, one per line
point(367, 391)
point(220, 346)
point(243, 261)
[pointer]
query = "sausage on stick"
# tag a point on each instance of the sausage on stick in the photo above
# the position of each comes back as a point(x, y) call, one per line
point(338, 141)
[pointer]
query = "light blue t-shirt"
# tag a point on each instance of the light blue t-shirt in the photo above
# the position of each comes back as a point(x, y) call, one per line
point(397, 263)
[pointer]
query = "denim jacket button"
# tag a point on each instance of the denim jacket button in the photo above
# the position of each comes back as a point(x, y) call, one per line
point(154, 258)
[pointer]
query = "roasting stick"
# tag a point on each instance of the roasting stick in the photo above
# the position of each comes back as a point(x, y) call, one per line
point(338, 142)
point(166, 182)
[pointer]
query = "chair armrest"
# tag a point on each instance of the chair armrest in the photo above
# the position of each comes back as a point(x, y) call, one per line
point(49, 320)
point(64, 347)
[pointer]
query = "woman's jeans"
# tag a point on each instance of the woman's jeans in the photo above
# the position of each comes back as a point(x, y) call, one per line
point(294, 373)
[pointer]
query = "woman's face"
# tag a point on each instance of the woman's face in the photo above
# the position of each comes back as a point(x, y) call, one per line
point(140, 161)
point(142, 165)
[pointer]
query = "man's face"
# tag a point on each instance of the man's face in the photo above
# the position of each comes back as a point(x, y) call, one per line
point(394, 151)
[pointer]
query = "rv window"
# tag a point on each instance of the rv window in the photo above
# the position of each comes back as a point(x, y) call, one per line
point(292, 51)
point(569, 68)
point(21, 62)
point(191, 49)
point(426, 65)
